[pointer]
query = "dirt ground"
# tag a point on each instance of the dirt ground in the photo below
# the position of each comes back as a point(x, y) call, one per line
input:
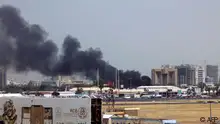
point(183, 113)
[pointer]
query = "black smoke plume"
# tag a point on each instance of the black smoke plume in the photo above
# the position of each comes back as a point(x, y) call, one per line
point(25, 47)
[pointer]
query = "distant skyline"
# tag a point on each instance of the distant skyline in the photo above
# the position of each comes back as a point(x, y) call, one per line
point(134, 34)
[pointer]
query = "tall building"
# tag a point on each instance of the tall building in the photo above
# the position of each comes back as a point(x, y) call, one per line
point(212, 72)
point(200, 74)
point(3, 78)
point(186, 75)
point(164, 76)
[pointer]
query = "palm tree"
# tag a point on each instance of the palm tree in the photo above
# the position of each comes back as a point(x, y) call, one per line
point(207, 88)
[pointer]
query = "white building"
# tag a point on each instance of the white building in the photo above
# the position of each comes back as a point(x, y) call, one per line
point(77, 78)
point(199, 74)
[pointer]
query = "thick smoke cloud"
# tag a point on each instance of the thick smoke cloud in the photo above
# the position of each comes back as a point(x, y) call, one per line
point(25, 46)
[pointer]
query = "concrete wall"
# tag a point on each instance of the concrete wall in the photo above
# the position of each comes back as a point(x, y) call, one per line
point(164, 76)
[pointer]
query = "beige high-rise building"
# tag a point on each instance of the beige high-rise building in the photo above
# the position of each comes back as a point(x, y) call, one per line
point(164, 76)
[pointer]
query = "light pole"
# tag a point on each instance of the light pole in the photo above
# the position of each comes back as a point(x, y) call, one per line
point(210, 108)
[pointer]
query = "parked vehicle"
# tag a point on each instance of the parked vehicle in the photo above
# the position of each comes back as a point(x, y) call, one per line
point(147, 96)
point(157, 96)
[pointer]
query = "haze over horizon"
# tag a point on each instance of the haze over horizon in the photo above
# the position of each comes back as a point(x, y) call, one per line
point(136, 35)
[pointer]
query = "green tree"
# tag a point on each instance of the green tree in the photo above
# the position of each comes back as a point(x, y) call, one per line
point(217, 85)
point(13, 88)
point(79, 90)
point(146, 81)
point(208, 89)
point(202, 86)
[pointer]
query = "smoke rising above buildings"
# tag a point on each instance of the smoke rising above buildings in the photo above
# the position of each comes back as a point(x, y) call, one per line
point(25, 47)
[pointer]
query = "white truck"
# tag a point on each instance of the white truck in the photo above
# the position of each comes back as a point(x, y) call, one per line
point(169, 122)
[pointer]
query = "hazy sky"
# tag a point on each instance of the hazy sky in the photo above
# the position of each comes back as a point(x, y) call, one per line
point(133, 34)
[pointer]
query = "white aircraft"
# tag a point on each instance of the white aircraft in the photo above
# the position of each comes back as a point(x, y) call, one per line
point(62, 94)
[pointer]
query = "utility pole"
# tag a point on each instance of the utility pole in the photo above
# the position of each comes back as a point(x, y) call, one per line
point(116, 78)
point(130, 83)
point(97, 76)
point(210, 109)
